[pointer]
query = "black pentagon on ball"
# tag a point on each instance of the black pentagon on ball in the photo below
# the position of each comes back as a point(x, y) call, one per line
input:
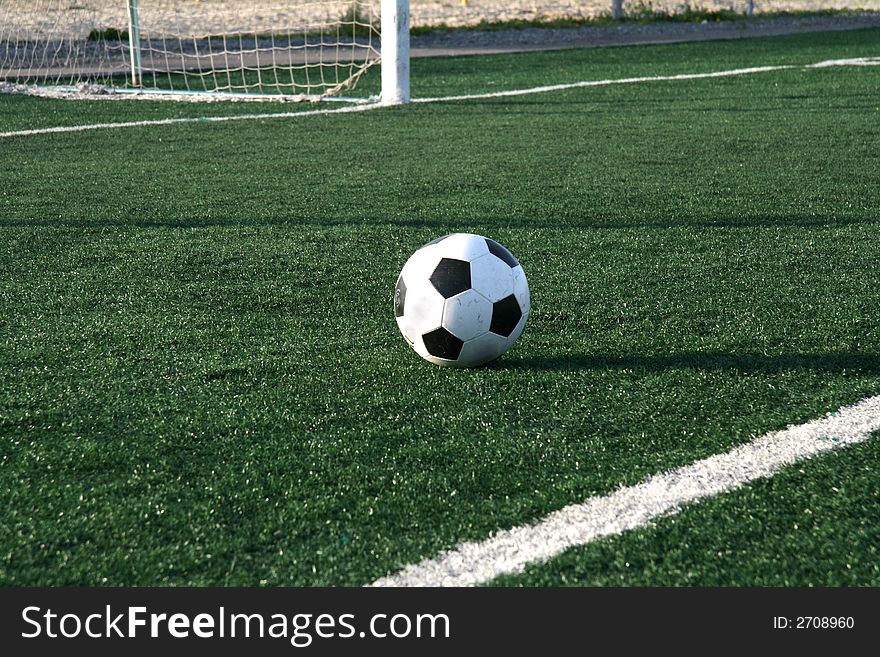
point(451, 277)
point(442, 344)
point(500, 252)
point(399, 297)
point(505, 316)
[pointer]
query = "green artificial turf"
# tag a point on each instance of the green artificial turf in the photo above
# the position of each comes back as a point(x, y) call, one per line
point(444, 76)
point(815, 524)
point(202, 380)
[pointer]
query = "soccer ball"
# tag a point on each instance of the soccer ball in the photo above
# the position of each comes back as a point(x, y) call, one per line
point(461, 300)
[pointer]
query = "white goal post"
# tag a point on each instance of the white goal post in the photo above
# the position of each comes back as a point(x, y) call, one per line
point(242, 49)
point(395, 51)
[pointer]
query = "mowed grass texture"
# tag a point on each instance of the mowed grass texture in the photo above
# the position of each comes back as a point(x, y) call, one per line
point(784, 531)
point(203, 382)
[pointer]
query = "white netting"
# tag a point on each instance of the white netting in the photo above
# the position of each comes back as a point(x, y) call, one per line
point(308, 48)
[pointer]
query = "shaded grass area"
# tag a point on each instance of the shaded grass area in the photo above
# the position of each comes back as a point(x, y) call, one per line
point(459, 75)
point(202, 378)
point(313, 80)
point(815, 524)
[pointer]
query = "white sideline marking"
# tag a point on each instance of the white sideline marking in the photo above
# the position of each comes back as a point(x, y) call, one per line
point(198, 119)
point(510, 550)
point(603, 83)
point(859, 61)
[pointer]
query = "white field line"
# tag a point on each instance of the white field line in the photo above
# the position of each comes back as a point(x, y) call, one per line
point(509, 551)
point(860, 61)
point(200, 119)
point(604, 83)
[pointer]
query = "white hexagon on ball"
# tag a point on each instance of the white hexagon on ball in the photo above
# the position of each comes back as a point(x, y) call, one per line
point(424, 311)
point(461, 300)
point(521, 292)
point(484, 348)
point(461, 246)
point(467, 315)
point(492, 277)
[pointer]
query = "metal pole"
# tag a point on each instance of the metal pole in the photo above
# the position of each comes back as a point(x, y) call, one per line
point(134, 43)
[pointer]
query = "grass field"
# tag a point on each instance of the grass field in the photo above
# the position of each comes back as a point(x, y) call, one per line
point(201, 380)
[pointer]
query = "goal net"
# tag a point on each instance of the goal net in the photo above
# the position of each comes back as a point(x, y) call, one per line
point(300, 49)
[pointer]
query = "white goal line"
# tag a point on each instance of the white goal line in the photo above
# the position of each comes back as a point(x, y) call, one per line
point(511, 550)
point(859, 61)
